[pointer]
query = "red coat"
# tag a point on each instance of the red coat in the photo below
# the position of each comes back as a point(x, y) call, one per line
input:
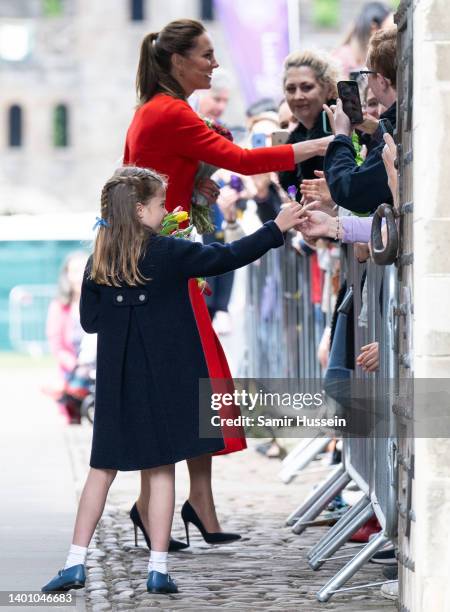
point(168, 136)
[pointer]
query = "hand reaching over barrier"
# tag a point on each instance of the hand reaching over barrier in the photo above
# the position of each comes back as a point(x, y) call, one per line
point(389, 156)
point(369, 359)
point(316, 190)
point(318, 224)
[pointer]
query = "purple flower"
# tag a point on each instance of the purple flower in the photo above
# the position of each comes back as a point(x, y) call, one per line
point(292, 191)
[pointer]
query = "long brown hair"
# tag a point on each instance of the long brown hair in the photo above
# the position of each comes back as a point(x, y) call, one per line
point(153, 74)
point(121, 237)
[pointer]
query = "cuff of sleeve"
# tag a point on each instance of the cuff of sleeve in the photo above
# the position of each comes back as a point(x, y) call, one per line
point(276, 232)
point(346, 228)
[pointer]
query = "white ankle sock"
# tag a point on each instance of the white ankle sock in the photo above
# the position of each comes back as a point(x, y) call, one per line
point(76, 556)
point(158, 561)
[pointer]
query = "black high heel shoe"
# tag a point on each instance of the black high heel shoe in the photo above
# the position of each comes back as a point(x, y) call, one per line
point(189, 515)
point(174, 545)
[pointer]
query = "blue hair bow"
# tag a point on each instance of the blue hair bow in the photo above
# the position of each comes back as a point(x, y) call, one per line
point(100, 222)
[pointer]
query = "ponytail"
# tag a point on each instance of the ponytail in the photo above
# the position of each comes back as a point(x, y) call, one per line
point(155, 63)
point(148, 72)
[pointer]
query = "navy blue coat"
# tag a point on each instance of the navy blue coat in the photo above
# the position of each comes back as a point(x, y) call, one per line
point(149, 353)
point(360, 189)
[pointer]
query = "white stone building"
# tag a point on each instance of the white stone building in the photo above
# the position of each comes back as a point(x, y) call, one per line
point(67, 70)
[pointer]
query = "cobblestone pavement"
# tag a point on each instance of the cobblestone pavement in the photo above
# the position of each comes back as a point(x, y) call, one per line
point(266, 570)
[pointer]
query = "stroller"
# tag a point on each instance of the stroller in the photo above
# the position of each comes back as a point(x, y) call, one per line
point(79, 390)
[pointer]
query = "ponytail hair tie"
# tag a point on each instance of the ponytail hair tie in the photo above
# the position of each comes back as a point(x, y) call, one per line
point(100, 222)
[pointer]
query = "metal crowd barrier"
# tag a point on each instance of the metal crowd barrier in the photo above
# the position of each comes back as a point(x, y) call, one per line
point(28, 308)
point(283, 344)
point(283, 335)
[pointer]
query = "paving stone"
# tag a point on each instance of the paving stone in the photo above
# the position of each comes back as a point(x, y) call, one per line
point(266, 570)
point(102, 593)
point(101, 607)
point(96, 585)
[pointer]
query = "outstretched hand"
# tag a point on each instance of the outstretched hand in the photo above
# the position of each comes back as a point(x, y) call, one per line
point(289, 216)
point(317, 190)
point(316, 224)
point(368, 359)
point(369, 124)
point(389, 157)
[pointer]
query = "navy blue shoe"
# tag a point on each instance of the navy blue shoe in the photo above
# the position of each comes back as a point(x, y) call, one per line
point(71, 578)
point(160, 583)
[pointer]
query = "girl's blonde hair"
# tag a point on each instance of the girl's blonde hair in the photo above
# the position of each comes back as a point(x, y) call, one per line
point(121, 236)
point(324, 70)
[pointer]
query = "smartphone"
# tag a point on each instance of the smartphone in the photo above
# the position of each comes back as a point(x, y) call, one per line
point(348, 92)
point(386, 127)
point(326, 127)
point(258, 141)
point(280, 137)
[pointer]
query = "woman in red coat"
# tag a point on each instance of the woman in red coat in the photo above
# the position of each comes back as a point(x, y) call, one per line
point(167, 135)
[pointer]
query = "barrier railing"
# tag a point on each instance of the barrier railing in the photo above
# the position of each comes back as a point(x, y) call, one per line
point(283, 339)
point(28, 308)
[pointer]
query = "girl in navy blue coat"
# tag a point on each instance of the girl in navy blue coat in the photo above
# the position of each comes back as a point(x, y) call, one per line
point(149, 355)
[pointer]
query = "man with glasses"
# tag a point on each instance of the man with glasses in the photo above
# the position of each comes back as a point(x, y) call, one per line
point(362, 188)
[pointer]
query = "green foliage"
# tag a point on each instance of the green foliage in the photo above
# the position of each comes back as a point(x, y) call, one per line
point(52, 8)
point(326, 13)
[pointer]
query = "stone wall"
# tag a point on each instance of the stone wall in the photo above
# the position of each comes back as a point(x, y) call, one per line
point(432, 291)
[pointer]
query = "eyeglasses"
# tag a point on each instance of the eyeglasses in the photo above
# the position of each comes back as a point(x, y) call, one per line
point(365, 73)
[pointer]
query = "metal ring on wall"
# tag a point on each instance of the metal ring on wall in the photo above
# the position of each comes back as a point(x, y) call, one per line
point(384, 255)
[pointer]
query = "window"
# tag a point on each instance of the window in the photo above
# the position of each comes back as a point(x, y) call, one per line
point(206, 10)
point(60, 126)
point(15, 126)
point(52, 8)
point(15, 41)
point(137, 10)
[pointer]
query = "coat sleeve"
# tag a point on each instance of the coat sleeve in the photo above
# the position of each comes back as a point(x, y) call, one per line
point(89, 304)
point(357, 188)
point(193, 139)
point(194, 259)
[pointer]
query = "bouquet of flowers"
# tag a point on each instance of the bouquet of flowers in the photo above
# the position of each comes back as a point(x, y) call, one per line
point(171, 227)
point(200, 213)
point(171, 224)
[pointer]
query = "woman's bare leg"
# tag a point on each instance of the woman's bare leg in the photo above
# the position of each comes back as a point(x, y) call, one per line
point(200, 495)
point(92, 503)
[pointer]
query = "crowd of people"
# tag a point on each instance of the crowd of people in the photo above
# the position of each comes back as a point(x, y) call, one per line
point(300, 168)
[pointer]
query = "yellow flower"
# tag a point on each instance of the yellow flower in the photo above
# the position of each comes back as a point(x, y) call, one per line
point(181, 216)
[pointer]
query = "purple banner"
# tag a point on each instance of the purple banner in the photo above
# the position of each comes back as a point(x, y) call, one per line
point(257, 37)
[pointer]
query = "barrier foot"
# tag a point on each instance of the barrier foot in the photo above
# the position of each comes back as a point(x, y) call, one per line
point(315, 495)
point(329, 492)
point(333, 585)
point(341, 538)
point(315, 550)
